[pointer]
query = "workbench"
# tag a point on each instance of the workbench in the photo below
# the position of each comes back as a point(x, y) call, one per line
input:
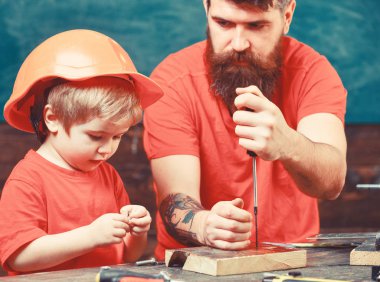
point(330, 263)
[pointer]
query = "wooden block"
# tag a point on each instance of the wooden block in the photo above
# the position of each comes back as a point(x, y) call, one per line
point(219, 262)
point(365, 254)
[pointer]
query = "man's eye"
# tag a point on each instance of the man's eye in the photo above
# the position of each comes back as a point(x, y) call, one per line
point(223, 23)
point(256, 25)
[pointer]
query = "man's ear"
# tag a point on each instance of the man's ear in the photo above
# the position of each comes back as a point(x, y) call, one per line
point(205, 6)
point(288, 15)
point(51, 120)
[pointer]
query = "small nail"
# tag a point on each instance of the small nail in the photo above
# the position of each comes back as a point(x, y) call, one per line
point(151, 261)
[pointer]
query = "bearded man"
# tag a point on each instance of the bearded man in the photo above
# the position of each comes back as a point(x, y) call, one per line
point(247, 87)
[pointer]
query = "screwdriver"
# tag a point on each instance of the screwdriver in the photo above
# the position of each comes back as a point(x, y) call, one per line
point(255, 206)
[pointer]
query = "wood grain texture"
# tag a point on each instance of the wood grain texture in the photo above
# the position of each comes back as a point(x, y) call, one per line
point(217, 262)
point(365, 254)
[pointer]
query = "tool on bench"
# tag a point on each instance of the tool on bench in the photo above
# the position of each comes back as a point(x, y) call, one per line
point(316, 244)
point(375, 270)
point(357, 237)
point(109, 274)
point(151, 261)
point(294, 276)
point(255, 206)
point(377, 241)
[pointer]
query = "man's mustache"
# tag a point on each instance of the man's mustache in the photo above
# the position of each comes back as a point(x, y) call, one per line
point(233, 58)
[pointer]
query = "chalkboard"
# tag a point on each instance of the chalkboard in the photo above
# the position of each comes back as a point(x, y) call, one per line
point(347, 32)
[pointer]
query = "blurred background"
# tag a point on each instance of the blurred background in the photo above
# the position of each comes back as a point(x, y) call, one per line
point(346, 32)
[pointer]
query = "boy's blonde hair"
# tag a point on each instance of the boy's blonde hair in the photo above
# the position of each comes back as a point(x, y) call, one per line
point(110, 98)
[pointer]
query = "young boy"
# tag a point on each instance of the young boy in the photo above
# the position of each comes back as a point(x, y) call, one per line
point(64, 206)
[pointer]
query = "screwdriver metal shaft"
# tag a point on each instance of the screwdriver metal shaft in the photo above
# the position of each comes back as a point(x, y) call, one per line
point(255, 205)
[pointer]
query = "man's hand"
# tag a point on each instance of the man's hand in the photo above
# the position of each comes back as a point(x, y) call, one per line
point(264, 130)
point(226, 226)
point(313, 153)
point(139, 219)
point(108, 229)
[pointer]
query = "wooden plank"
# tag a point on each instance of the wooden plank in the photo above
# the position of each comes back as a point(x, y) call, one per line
point(220, 262)
point(365, 254)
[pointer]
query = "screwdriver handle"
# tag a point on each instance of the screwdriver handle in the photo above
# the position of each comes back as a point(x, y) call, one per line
point(251, 153)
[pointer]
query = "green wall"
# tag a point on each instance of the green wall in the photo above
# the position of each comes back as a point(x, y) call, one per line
point(347, 32)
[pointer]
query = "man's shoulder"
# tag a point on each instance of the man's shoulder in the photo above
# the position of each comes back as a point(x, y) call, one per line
point(299, 55)
point(186, 61)
point(188, 55)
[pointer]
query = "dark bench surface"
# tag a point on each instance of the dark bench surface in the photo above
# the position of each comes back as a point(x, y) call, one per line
point(323, 263)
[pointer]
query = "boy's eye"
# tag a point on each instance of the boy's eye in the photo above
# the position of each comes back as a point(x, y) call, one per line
point(117, 137)
point(95, 137)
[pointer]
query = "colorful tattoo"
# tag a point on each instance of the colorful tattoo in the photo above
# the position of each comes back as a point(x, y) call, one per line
point(178, 212)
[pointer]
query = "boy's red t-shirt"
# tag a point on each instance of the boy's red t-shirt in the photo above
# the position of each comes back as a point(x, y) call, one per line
point(40, 198)
point(190, 119)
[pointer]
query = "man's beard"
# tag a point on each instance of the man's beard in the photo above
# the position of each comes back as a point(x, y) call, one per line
point(230, 70)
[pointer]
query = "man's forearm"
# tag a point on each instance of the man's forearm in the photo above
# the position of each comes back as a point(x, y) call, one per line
point(182, 216)
point(318, 169)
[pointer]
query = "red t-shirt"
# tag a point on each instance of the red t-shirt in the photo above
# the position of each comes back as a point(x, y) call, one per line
point(40, 198)
point(190, 120)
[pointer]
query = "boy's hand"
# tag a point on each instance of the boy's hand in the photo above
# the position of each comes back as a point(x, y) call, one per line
point(109, 228)
point(139, 219)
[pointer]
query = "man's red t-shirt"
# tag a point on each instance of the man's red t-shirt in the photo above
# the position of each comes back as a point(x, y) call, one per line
point(191, 120)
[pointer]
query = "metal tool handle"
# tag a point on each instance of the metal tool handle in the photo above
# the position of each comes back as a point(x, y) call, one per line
point(108, 274)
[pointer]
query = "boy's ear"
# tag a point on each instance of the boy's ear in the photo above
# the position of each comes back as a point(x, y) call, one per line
point(51, 120)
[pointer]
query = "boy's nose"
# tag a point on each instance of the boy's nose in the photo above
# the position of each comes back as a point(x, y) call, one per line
point(106, 148)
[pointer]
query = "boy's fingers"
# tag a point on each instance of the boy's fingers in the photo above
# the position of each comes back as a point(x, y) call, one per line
point(139, 230)
point(126, 209)
point(122, 225)
point(138, 212)
point(141, 221)
point(119, 217)
point(120, 232)
point(133, 210)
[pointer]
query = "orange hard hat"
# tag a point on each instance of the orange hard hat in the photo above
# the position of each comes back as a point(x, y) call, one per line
point(72, 56)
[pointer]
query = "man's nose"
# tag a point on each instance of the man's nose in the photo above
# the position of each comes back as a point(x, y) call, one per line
point(239, 40)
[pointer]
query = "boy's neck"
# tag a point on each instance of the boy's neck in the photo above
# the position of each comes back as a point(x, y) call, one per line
point(48, 152)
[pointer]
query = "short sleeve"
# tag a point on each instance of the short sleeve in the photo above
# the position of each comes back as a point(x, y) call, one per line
point(322, 91)
point(170, 126)
point(22, 217)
